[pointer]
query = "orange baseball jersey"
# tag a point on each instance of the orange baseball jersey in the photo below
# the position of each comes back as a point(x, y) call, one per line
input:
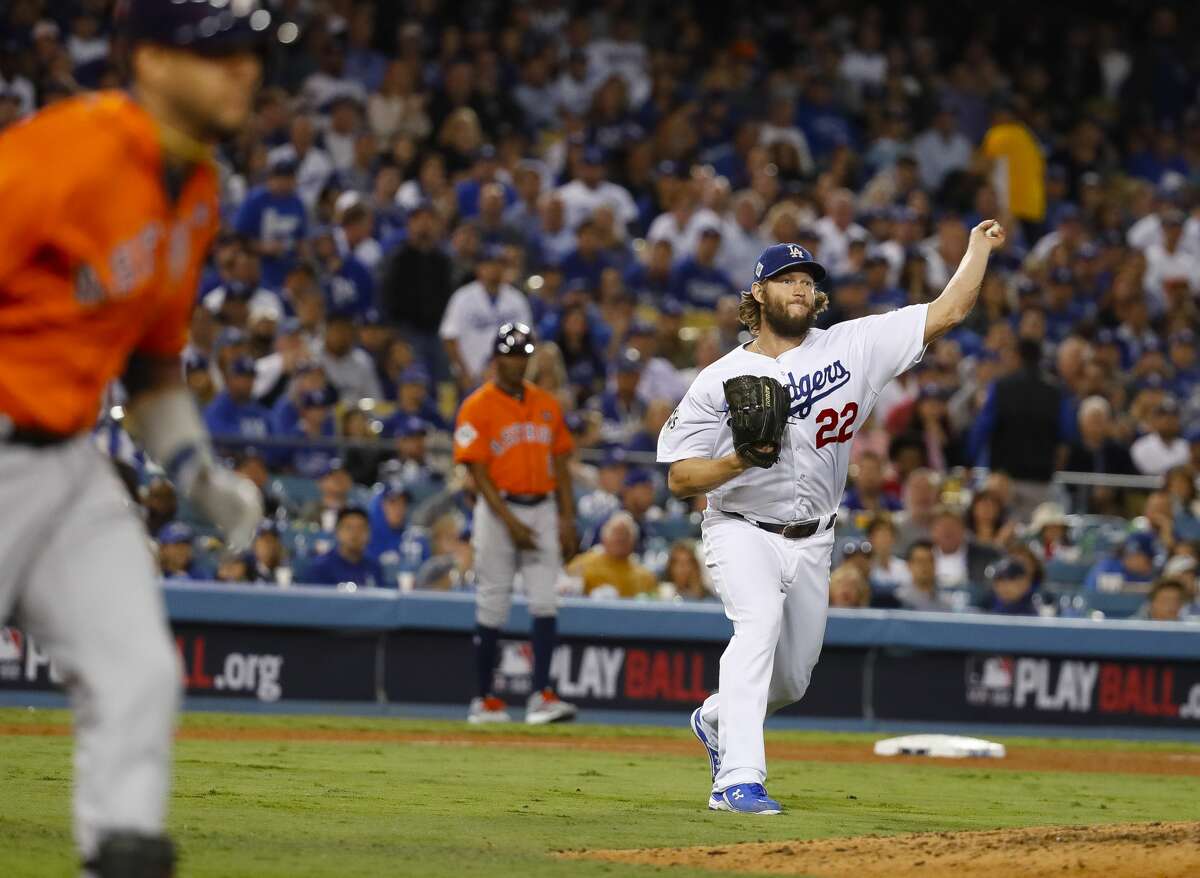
point(97, 260)
point(516, 438)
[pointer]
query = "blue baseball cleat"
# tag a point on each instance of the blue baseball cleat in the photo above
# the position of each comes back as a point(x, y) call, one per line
point(710, 745)
point(744, 798)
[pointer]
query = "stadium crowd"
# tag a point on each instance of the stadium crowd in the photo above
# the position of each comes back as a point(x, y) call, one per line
point(417, 173)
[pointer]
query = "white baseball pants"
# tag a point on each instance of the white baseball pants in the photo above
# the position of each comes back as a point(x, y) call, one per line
point(77, 575)
point(776, 594)
point(498, 561)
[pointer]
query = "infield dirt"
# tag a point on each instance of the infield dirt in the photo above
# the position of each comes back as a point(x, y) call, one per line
point(1132, 850)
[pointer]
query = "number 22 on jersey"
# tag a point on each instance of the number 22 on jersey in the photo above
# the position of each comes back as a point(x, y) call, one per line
point(829, 421)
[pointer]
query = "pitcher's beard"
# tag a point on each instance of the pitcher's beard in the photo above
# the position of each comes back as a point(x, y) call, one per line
point(786, 326)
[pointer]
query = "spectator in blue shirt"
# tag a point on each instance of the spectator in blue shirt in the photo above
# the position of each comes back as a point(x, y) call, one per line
point(349, 286)
point(233, 412)
point(175, 558)
point(484, 170)
point(413, 399)
point(650, 281)
point(393, 539)
point(1133, 567)
point(881, 296)
point(1181, 351)
point(316, 412)
point(308, 375)
point(1064, 310)
point(696, 280)
point(274, 221)
point(411, 465)
point(587, 261)
point(348, 561)
point(1012, 591)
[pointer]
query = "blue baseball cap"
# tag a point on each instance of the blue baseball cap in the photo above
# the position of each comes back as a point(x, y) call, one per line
point(308, 365)
point(283, 165)
point(268, 526)
point(491, 253)
point(332, 465)
point(396, 488)
point(415, 374)
point(640, 328)
point(236, 291)
point(593, 155)
point(174, 533)
point(372, 317)
point(1062, 275)
point(638, 476)
point(1010, 568)
point(614, 455)
point(629, 360)
point(671, 308)
point(242, 366)
point(341, 312)
point(783, 257)
point(407, 425)
point(1141, 542)
point(314, 399)
point(194, 361)
point(230, 335)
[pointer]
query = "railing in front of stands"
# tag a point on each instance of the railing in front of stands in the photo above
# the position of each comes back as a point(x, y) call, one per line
point(440, 447)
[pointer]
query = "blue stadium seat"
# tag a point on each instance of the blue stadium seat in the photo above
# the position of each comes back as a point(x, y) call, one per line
point(1067, 573)
point(296, 490)
point(1118, 605)
point(671, 528)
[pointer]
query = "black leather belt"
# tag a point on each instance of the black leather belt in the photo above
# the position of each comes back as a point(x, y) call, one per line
point(525, 499)
point(793, 530)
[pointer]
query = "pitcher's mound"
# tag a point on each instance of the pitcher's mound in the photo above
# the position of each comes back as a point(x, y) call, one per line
point(1130, 850)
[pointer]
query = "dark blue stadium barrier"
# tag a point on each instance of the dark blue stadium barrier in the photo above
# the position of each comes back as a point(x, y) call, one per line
point(386, 610)
point(262, 644)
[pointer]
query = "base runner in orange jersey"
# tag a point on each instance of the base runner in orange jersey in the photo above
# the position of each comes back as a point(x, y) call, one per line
point(110, 206)
point(512, 435)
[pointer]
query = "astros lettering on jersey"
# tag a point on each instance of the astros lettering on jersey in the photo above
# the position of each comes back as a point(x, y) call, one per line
point(516, 438)
point(102, 261)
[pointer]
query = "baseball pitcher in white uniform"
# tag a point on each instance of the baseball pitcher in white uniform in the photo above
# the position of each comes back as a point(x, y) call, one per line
point(765, 432)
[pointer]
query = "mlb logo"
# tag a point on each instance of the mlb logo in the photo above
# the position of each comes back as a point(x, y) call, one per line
point(11, 641)
point(514, 672)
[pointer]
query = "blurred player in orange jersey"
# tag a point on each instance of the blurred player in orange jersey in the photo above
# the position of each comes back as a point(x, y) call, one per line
point(110, 209)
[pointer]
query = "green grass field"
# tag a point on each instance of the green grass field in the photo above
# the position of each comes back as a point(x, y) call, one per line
point(481, 807)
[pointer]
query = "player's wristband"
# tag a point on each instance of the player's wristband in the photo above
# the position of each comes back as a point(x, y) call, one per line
point(167, 424)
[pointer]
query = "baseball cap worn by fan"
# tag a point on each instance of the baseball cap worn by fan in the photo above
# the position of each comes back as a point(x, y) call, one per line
point(174, 533)
point(207, 27)
point(1010, 568)
point(783, 257)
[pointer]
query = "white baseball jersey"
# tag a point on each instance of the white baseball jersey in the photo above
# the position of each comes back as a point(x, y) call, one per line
point(473, 318)
point(833, 379)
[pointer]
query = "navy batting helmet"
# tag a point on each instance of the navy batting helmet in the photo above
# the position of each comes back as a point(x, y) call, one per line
point(209, 27)
point(514, 338)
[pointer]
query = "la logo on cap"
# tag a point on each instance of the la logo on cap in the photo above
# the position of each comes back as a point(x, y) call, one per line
point(795, 252)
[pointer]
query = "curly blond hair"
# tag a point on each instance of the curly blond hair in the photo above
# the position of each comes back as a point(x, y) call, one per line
point(750, 309)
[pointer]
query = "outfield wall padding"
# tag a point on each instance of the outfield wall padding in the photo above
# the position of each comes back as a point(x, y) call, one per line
point(384, 646)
